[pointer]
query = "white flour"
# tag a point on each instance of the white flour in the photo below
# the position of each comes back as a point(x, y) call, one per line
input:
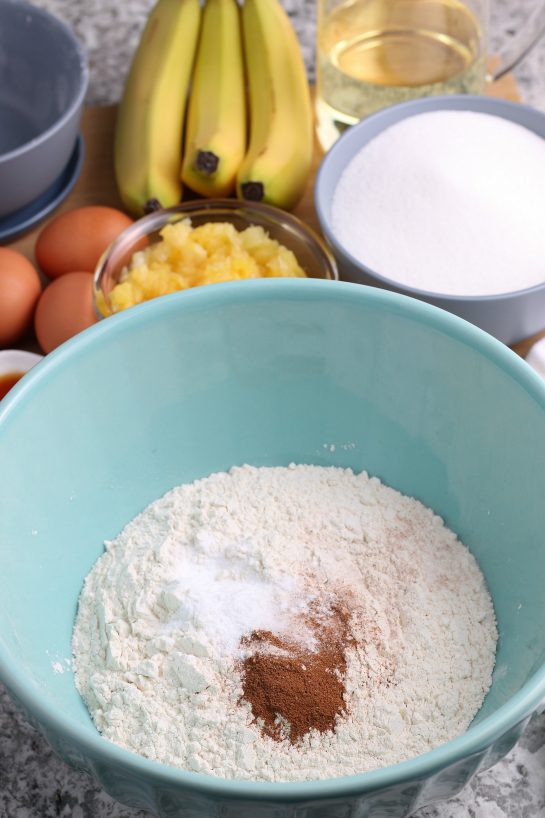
point(162, 612)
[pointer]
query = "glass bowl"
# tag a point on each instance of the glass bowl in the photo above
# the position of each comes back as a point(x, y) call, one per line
point(309, 249)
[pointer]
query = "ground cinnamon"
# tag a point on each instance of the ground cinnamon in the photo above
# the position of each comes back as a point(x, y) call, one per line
point(292, 688)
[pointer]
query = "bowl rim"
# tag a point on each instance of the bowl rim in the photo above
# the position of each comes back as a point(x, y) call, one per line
point(83, 83)
point(21, 360)
point(475, 739)
point(349, 142)
point(158, 218)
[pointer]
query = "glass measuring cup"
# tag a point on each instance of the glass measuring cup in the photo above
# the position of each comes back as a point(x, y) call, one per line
point(375, 53)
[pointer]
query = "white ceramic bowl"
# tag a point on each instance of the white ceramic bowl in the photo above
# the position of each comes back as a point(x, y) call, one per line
point(17, 360)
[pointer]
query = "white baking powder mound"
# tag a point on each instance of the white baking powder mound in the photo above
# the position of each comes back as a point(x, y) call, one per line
point(449, 202)
point(157, 638)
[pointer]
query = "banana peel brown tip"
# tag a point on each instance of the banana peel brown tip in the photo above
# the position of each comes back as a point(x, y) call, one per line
point(253, 191)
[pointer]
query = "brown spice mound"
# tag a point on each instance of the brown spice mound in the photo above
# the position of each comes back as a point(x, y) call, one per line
point(291, 688)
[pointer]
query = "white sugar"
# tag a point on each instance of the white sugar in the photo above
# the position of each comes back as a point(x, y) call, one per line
point(448, 201)
point(226, 599)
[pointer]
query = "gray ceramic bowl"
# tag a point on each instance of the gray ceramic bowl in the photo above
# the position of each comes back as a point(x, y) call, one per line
point(510, 317)
point(43, 81)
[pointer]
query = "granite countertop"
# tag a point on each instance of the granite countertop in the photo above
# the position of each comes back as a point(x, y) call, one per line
point(109, 32)
point(34, 783)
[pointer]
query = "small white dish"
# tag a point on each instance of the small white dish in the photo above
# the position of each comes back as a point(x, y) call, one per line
point(17, 361)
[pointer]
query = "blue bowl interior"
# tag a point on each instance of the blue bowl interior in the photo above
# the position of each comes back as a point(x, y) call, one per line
point(40, 72)
point(265, 373)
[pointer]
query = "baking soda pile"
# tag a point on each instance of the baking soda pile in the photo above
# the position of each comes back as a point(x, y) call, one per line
point(447, 201)
point(323, 580)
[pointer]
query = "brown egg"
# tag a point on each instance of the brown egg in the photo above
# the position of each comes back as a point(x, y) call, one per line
point(75, 240)
point(64, 309)
point(20, 288)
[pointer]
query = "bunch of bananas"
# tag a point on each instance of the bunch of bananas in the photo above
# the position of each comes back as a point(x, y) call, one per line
point(235, 78)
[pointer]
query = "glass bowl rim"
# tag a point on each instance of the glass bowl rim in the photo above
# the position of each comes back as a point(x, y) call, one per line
point(197, 207)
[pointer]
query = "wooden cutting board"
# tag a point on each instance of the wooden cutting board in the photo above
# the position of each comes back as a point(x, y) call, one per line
point(96, 184)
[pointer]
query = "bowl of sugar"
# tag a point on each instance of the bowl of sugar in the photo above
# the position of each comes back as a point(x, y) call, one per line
point(441, 199)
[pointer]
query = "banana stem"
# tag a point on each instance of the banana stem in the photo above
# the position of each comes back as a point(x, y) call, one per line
point(207, 162)
point(253, 191)
point(151, 206)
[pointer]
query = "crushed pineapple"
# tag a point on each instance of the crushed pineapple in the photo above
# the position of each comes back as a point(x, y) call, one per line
point(187, 256)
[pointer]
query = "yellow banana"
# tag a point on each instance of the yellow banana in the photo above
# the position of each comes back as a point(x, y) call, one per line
point(277, 165)
point(216, 118)
point(148, 134)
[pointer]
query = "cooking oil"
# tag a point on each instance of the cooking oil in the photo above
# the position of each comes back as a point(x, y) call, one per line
point(374, 53)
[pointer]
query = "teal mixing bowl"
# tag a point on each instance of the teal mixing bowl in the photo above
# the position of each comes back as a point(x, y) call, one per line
point(267, 372)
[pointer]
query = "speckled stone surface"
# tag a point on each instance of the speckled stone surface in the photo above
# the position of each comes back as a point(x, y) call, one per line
point(110, 32)
point(34, 783)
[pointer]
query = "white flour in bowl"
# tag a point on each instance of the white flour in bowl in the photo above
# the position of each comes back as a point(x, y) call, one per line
point(161, 634)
